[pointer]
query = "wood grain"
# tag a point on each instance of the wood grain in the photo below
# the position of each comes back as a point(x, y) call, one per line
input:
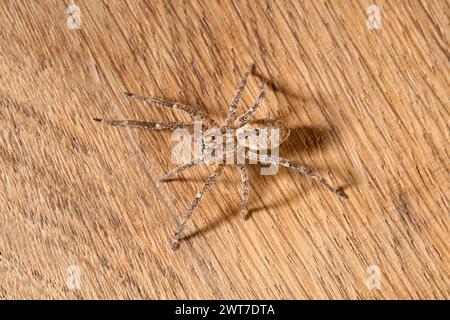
point(369, 109)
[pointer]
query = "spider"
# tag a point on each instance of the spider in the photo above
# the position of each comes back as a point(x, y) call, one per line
point(244, 122)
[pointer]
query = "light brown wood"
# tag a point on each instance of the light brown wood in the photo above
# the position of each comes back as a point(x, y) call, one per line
point(369, 109)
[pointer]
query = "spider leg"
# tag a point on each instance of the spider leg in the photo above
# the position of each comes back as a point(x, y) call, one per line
point(146, 124)
point(245, 117)
point(245, 191)
point(195, 113)
point(209, 183)
point(179, 169)
point(304, 170)
point(237, 97)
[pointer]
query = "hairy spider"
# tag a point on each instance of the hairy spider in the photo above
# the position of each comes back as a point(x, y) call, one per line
point(242, 123)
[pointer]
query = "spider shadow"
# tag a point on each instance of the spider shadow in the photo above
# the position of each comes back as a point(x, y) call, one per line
point(224, 218)
point(307, 139)
point(275, 86)
point(293, 97)
point(302, 140)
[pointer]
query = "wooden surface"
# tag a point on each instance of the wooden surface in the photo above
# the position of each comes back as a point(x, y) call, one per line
point(369, 109)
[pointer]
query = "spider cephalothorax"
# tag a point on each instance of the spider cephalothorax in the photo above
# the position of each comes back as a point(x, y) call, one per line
point(244, 126)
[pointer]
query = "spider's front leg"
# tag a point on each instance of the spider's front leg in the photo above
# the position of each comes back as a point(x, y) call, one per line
point(237, 97)
point(195, 113)
point(246, 117)
point(180, 169)
point(146, 124)
point(209, 183)
point(204, 158)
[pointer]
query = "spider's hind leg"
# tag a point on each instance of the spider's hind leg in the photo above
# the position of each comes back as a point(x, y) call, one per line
point(303, 170)
point(209, 183)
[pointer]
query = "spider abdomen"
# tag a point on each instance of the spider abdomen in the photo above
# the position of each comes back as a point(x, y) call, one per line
point(262, 134)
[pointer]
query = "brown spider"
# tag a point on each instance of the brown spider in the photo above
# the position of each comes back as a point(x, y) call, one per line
point(242, 124)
